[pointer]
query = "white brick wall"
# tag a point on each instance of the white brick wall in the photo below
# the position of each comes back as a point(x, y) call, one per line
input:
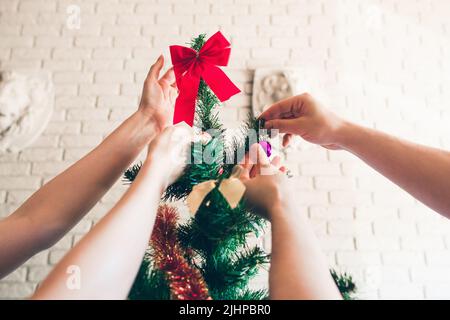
point(383, 63)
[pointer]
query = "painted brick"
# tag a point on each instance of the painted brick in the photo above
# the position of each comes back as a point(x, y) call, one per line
point(363, 62)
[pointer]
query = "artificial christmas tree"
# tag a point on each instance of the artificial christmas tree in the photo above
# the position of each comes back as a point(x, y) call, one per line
point(208, 257)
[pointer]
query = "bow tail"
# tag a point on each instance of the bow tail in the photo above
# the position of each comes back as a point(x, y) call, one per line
point(219, 82)
point(185, 104)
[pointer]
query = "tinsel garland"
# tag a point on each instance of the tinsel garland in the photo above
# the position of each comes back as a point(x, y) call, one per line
point(185, 282)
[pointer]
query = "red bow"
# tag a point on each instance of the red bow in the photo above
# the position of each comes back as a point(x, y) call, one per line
point(190, 65)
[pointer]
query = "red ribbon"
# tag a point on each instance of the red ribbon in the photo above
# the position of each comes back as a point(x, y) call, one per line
point(190, 65)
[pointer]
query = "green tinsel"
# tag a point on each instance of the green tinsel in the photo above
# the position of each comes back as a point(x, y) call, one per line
point(217, 234)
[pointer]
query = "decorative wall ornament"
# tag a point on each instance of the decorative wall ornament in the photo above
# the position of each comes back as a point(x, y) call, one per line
point(271, 85)
point(26, 106)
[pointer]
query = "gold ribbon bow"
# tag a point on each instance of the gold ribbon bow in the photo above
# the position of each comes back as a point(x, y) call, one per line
point(232, 189)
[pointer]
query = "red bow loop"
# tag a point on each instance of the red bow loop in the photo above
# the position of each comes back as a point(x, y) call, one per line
point(216, 50)
point(190, 66)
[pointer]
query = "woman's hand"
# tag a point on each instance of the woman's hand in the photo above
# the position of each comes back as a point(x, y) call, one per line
point(159, 95)
point(265, 182)
point(304, 116)
point(168, 153)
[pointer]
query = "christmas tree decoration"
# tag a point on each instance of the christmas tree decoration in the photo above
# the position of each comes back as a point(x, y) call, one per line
point(198, 194)
point(185, 282)
point(232, 189)
point(207, 256)
point(191, 65)
point(345, 284)
point(26, 106)
point(267, 147)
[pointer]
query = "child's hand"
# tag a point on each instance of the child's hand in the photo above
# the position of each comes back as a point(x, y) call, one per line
point(266, 185)
point(159, 95)
point(168, 153)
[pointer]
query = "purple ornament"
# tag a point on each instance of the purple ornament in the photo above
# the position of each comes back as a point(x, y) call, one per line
point(267, 147)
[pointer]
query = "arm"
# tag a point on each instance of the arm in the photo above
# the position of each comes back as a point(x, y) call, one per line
point(108, 257)
point(422, 171)
point(55, 208)
point(294, 245)
point(296, 248)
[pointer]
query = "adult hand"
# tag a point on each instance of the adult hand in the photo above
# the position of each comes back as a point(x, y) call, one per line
point(159, 95)
point(304, 116)
point(265, 182)
point(168, 152)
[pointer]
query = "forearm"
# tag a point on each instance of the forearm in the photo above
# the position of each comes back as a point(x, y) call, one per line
point(295, 248)
point(421, 171)
point(109, 256)
point(70, 195)
point(55, 208)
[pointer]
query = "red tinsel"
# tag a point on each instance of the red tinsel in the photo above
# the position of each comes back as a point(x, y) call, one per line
point(185, 281)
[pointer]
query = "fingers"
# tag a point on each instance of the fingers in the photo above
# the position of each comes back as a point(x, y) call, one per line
point(258, 156)
point(168, 77)
point(257, 163)
point(254, 160)
point(263, 165)
point(251, 157)
point(178, 149)
point(283, 125)
point(275, 110)
point(246, 168)
point(276, 161)
point(287, 139)
point(182, 132)
point(173, 94)
point(282, 109)
point(155, 69)
point(174, 141)
point(247, 164)
point(174, 137)
point(167, 83)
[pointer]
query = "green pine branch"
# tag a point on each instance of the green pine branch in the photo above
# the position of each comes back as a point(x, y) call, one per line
point(131, 173)
point(345, 283)
point(150, 283)
point(217, 234)
point(254, 295)
point(228, 274)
